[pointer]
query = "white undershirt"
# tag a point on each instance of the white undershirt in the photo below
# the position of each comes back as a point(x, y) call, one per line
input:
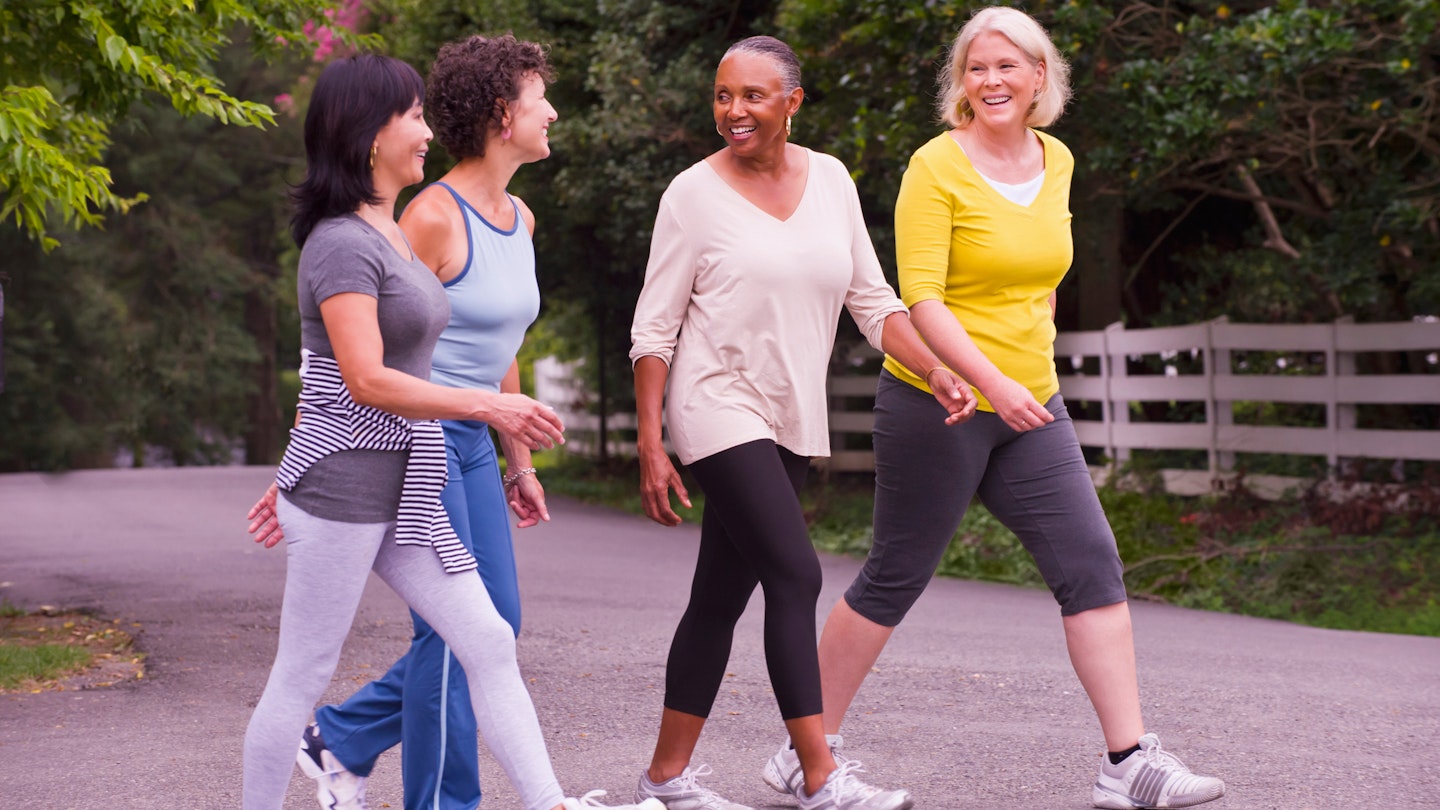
point(1019, 193)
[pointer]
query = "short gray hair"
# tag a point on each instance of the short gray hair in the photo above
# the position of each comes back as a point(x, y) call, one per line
point(778, 52)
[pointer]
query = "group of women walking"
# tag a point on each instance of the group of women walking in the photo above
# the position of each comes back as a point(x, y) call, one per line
point(409, 334)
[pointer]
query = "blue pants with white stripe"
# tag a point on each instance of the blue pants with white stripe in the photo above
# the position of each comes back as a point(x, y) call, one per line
point(423, 701)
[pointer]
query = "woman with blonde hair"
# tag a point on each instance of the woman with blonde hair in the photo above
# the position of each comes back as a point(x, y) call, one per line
point(982, 227)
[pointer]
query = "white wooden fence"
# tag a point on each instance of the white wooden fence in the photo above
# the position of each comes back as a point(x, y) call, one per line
point(1198, 365)
point(1337, 387)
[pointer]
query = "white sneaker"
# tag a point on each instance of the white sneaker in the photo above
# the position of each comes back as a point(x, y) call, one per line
point(843, 790)
point(783, 773)
point(1152, 778)
point(684, 792)
point(591, 800)
point(335, 787)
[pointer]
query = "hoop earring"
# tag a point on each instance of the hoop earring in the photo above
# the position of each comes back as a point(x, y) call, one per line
point(719, 131)
point(373, 149)
point(787, 126)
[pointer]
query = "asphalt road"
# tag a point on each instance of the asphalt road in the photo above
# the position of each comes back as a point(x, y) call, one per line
point(973, 705)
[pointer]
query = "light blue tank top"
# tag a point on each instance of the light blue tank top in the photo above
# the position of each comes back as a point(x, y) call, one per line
point(492, 302)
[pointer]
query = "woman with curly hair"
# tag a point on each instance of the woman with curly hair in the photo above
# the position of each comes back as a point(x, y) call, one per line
point(486, 101)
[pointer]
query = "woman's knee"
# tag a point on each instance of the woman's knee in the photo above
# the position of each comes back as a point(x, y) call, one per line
point(481, 645)
point(886, 606)
point(797, 580)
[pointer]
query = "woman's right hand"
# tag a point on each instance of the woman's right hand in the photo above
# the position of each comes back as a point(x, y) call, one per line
point(1016, 406)
point(264, 520)
point(529, 422)
point(657, 477)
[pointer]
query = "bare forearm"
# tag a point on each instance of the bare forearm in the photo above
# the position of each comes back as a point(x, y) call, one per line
point(902, 342)
point(651, 374)
point(517, 455)
point(952, 344)
point(399, 393)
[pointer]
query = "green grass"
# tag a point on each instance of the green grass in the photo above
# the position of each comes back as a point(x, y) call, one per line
point(19, 664)
point(1366, 564)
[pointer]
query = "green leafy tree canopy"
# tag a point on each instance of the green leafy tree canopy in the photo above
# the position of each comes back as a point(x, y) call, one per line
point(72, 68)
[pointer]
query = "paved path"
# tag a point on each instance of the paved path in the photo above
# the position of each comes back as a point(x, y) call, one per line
point(973, 705)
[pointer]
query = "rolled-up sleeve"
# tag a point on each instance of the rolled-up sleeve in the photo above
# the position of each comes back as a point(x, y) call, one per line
point(924, 221)
point(870, 300)
point(665, 297)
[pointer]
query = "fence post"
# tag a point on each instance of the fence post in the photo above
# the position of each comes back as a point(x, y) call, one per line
point(1221, 413)
point(1117, 414)
point(1338, 415)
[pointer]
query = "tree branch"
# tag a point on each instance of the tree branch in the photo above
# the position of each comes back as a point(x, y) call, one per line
point(1274, 239)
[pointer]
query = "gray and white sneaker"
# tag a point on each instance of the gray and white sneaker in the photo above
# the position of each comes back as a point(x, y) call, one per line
point(684, 792)
point(1152, 778)
point(335, 787)
point(592, 799)
point(843, 790)
point(783, 773)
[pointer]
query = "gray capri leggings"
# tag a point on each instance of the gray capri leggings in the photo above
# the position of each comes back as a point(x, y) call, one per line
point(327, 563)
point(1036, 483)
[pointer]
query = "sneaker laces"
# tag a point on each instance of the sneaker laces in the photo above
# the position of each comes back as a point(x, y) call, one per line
point(689, 778)
point(845, 782)
point(1158, 757)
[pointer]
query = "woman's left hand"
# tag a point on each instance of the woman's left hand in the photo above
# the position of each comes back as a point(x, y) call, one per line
point(527, 499)
point(264, 523)
point(951, 391)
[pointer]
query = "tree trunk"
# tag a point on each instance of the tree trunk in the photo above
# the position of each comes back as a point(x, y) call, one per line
point(1095, 302)
point(262, 436)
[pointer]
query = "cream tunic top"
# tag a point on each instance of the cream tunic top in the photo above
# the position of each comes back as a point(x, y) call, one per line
point(743, 308)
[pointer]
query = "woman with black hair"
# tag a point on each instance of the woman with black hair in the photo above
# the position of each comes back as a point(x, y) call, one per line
point(485, 100)
point(361, 478)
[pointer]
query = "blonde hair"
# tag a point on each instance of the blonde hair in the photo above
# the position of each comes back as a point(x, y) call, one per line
point(1027, 35)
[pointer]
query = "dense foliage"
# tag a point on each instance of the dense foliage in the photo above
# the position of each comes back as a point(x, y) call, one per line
point(1276, 161)
point(155, 336)
point(1269, 161)
point(73, 67)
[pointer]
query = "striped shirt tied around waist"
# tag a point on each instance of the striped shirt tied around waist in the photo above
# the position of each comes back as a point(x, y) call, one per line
point(330, 421)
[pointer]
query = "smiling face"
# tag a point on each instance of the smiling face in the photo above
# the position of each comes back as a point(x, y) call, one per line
point(1000, 81)
point(751, 105)
point(400, 148)
point(529, 117)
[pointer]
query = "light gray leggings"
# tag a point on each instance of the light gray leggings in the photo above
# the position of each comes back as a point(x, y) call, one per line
point(327, 563)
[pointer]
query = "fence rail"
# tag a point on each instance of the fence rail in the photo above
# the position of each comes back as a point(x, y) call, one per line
point(1206, 364)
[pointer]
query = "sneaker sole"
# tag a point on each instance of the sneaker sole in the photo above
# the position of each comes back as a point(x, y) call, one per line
point(1103, 797)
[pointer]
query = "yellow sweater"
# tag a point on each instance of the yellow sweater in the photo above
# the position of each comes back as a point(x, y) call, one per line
point(992, 262)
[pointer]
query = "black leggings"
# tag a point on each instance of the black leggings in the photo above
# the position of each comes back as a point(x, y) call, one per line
point(753, 531)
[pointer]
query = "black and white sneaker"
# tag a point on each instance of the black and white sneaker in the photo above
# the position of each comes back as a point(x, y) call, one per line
point(336, 787)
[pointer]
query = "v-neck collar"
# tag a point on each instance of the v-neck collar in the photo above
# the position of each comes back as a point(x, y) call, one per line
point(804, 194)
point(995, 192)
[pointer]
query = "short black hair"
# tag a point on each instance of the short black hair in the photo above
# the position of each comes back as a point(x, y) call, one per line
point(354, 99)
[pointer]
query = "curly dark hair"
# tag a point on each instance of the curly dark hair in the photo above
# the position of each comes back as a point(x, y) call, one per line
point(469, 79)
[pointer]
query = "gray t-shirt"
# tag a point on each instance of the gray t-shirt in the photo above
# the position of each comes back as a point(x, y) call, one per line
point(346, 255)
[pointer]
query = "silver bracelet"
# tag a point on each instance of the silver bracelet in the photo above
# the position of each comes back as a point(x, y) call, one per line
point(511, 478)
